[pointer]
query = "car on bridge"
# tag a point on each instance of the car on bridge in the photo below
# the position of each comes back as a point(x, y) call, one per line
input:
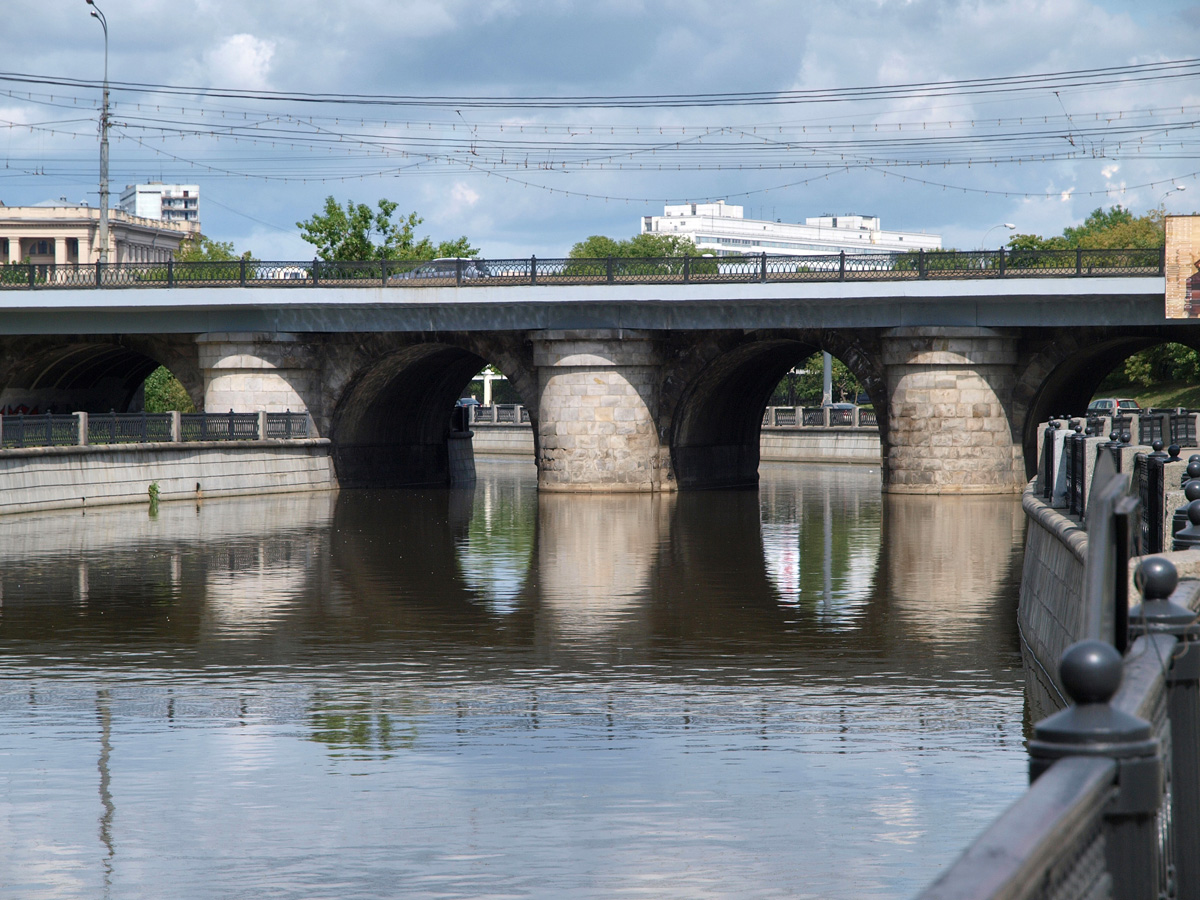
point(1108, 406)
point(444, 270)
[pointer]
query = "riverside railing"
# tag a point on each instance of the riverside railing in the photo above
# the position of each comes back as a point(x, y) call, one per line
point(1113, 807)
point(773, 416)
point(83, 429)
point(920, 265)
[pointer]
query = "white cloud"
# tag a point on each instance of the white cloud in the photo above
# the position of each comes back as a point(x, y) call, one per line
point(1110, 170)
point(462, 195)
point(241, 61)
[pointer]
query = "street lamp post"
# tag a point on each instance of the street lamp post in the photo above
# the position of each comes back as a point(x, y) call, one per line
point(1009, 225)
point(97, 14)
point(1163, 200)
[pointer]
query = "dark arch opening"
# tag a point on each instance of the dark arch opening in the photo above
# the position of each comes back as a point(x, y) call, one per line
point(94, 377)
point(717, 424)
point(1074, 380)
point(393, 424)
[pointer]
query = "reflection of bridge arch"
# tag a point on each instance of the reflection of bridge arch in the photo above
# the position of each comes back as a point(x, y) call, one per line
point(714, 397)
point(95, 373)
point(1060, 377)
point(391, 401)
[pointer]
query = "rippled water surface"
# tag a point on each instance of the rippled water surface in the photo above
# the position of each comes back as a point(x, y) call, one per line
point(805, 691)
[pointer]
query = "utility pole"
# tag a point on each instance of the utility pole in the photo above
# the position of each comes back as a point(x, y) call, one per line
point(97, 14)
point(827, 380)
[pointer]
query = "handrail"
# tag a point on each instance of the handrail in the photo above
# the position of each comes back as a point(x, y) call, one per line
point(1058, 817)
point(755, 268)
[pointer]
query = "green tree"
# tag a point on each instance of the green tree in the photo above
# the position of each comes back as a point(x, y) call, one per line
point(1114, 229)
point(804, 385)
point(164, 393)
point(199, 248)
point(357, 233)
point(640, 246)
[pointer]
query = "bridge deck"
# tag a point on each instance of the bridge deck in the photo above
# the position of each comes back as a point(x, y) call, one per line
point(991, 303)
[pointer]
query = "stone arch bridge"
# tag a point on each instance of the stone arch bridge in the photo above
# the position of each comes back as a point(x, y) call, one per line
point(637, 387)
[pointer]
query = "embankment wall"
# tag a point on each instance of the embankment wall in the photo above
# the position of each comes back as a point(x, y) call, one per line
point(80, 477)
point(834, 444)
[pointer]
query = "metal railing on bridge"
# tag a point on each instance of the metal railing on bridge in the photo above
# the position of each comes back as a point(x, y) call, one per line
point(919, 265)
point(79, 429)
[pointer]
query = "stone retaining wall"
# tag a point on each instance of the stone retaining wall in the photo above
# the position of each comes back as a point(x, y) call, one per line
point(1050, 614)
point(81, 477)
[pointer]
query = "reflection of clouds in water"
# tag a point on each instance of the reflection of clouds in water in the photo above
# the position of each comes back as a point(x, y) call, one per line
point(595, 554)
point(821, 541)
point(494, 555)
point(496, 577)
point(781, 551)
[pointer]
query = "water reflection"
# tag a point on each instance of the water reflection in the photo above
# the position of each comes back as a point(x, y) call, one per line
point(596, 554)
point(540, 696)
point(496, 553)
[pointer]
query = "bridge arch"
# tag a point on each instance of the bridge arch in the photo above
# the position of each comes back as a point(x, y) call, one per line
point(713, 397)
point(90, 373)
point(1060, 376)
point(391, 399)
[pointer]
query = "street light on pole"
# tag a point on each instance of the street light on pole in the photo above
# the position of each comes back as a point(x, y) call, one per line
point(98, 15)
point(1009, 225)
point(1163, 200)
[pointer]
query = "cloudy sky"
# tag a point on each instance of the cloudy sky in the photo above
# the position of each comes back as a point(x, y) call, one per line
point(497, 119)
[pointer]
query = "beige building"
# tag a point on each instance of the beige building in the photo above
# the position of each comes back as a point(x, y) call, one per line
point(67, 235)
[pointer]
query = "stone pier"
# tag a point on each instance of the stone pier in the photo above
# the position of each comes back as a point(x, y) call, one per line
point(949, 427)
point(597, 412)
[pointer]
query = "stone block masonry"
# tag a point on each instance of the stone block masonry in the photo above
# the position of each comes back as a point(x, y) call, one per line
point(81, 477)
point(949, 427)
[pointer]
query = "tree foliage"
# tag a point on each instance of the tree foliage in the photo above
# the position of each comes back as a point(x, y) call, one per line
point(1113, 229)
point(199, 248)
point(164, 393)
point(358, 233)
point(804, 385)
point(640, 246)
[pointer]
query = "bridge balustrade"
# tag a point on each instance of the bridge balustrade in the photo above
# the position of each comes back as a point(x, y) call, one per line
point(923, 264)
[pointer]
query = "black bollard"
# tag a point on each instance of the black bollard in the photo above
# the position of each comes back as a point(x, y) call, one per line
point(1091, 672)
point(1173, 452)
point(1189, 536)
point(1192, 471)
point(1179, 520)
point(1158, 450)
point(1157, 579)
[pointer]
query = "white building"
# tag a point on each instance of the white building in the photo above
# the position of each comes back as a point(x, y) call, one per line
point(721, 229)
point(168, 202)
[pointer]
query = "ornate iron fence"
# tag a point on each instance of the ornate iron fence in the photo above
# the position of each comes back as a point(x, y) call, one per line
point(286, 426)
point(228, 426)
point(924, 264)
point(46, 430)
point(128, 428)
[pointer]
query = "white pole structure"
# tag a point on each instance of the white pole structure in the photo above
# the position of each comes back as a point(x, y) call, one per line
point(98, 15)
point(1009, 225)
point(1163, 202)
point(827, 380)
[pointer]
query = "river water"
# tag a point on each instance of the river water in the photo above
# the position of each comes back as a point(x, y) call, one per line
point(809, 690)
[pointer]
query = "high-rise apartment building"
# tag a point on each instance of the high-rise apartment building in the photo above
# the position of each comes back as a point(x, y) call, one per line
point(167, 202)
